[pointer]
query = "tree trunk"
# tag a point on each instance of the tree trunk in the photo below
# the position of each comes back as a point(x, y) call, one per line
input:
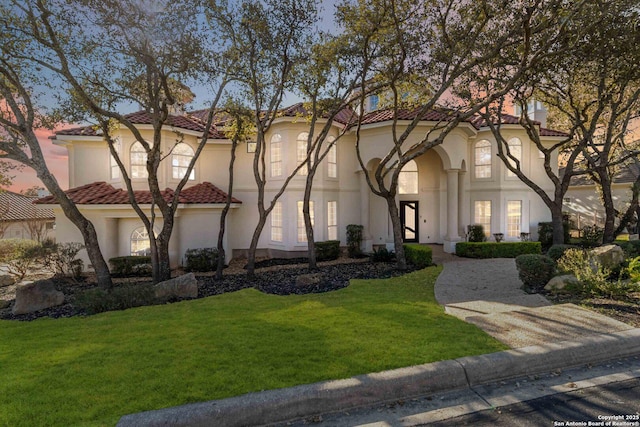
point(251, 256)
point(164, 263)
point(557, 221)
point(394, 213)
point(608, 234)
point(311, 247)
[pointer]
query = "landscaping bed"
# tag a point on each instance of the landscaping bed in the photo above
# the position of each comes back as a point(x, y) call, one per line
point(624, 309)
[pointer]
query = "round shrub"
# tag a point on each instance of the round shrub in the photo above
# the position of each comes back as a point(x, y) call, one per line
point(555, 252)
point(535, 271)
point(476, 233)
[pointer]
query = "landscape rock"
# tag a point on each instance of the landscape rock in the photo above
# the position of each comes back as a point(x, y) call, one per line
point(6, 280)
point(559, 282)
point(34, 296)
point(185, 286)
point(609, 256)
point(4, 304)
point(305, 280)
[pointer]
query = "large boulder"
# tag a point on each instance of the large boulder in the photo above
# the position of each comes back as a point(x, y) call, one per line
point(559, 282)
point(34, 296)
point(185, 286)
point(609, 256)
point(308, 280)
point(6, 280)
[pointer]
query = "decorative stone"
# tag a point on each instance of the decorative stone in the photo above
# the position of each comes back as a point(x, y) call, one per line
point(609, 256)
point(559, 282)
point(305, 280)
point(185, 286)
point(4, 304)
point(34, 296)
point(6, 280)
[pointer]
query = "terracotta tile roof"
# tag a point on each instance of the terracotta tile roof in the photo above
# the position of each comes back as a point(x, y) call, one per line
point(17, 207)
point(186, 122)
point(626, 175)
point(101, 193)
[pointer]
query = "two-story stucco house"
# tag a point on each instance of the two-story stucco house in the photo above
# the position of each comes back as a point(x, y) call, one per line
point(458, 183)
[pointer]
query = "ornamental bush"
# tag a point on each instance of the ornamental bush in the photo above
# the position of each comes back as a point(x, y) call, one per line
point(535, 271)
point(354, 240)
point(202, 259)
point(555, 252)
point(328, 250)
point(99, 300)
point(382, 254)
point(476, 233)
point(631, 248)
point(130, 266)
point(419, 255)
point(496, 250)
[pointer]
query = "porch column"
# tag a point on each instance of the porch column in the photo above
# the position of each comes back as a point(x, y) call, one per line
point(462, 203)
point(365, 196)
point(453, 235)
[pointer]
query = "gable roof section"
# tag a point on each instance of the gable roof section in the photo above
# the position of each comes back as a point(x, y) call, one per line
point(626, 175)
point(101, 193)
point(18, 207)
point(186, 122)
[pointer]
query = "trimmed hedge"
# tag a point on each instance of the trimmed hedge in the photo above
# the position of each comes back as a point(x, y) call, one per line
point(497, 250)
point(99, 300)
point(535, 271)
point(134, 265)
point(419, 255)
point(202, 259)
point(328, 250)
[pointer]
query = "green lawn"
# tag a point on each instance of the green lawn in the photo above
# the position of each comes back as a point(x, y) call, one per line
point(91, 371)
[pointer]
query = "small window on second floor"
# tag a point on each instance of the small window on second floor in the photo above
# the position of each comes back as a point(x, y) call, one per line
point(180, 159)
point(138, 161)
point(332, 158)
point(515, 148)
point(301, 152)
point(482, 159)
point(276, 155)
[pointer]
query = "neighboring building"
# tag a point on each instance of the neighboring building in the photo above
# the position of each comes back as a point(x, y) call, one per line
point(458, 183)
point(21, 219)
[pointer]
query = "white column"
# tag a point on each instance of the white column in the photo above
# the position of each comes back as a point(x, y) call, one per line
point(453, 235)
point(365, 197)
point(462, 203)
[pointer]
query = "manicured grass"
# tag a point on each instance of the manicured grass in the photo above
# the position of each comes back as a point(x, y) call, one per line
point(91, 371)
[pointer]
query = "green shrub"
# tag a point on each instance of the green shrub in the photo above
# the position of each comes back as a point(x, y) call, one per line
point(419, 255)
point(382, 254)
point(128, 266)
point(631, 248)
point(545, 233)
point(20, 256)
point(327, 251)
point(98, 300)
point(63, 259)
point(476, 233)
point(555, 252)
point(354, 240)
point(496, 250)
point(591, 236)
point(633, 270)
point(535, 271)
point(202, 259)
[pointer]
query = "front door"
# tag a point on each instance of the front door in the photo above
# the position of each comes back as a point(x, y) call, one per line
point(409, 220)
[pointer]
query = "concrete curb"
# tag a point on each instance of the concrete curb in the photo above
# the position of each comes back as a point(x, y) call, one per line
point(330, 396)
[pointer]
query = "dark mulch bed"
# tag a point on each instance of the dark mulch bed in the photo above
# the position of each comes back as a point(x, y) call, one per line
point(281, 281)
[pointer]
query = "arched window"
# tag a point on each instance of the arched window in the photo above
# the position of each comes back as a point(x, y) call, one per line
point(140, 244)
point(180, 159)
point(301, 151)
point(482, 159)
point(138, 161)
point(113, 165)
point(332, 158)
point(408, 179)
point(276, 155)
point(515, 148)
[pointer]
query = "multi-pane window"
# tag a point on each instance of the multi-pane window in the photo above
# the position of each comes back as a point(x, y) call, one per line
point(276, 155)
point(482, 159)
point(482, 215)
point(515, 149)
point(113, 165)
point(140, 244)
point(276, 222)
point(180, 159)
point(332, 220)
point(408, 179)
point(301, 151)
point(332, 158)
point(302, 231)
point(138, 161)
point(514, 218)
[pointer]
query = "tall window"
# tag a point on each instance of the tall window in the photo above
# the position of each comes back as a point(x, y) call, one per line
point(515, 148)
point(332, 158)
point(302, 231)
point(408, 179)
point(115, 169)
point(180, 158)
point(514, 218)
point(374, 100)
point(138, 161)
point(482, 159)
point(276, 155)
point(482, 215)
point(276, 222)
point(332, 220)
point(301, 151)
point(140, 244)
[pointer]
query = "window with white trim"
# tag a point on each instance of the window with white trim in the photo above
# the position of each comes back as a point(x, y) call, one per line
point(332, 158)
point(276, 155)
point(482, 215)
point(514, 218)
point(301, 152)
point(138, 161)
point(482, 159)
point(408, 179)
point(515, 148)
point(140, 244)
point(332, 220)
point(302, 230)
point(113, 165)
point(276, 222)
point(180, 158)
